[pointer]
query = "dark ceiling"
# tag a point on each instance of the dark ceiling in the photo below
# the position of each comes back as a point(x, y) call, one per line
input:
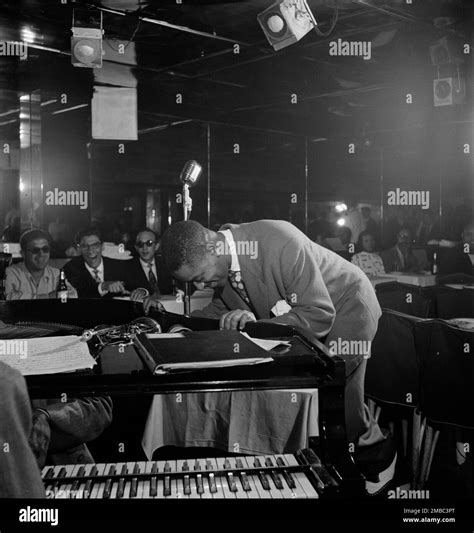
point(339, 99)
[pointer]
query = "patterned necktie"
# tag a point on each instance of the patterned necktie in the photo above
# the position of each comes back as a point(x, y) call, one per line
point(236, 281)
point(96, 275)
point(152, 279)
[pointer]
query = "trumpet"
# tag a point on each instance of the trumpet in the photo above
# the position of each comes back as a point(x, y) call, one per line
point(123, 334)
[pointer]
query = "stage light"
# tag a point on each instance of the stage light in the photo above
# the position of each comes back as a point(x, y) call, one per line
point(341, 222)
point(340, 208)
point(286, 22)
point(86, 40)
point(28, 35)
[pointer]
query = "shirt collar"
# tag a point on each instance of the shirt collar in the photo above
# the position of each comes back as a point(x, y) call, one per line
point(146, 265)
point(46, 274)
point(99, 268)
point(229, 238)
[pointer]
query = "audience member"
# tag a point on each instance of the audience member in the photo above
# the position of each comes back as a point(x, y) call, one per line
point(368, 260)
point(400, 258)
point(91, 274)
point(34, 278)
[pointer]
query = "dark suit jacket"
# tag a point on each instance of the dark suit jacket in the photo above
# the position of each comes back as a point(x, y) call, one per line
point(454, 261)
point(86, 286)
point(135, 276)
point(391, 261)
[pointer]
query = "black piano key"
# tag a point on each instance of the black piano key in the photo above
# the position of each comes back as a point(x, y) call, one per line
point(90, 482)
point(264, 480)
point(185, 467)
point(209, 465)
point(167, 486)
point(109, 483)
point(231, 481)
point(245, 482)
point(212, 484)
point(49, 472)
point(227, 464)
point(136, 468)
point(286, 475)
point(121, 483)
point(133, 487)
point(153, 486)
point(77, 483)
point(274, 475)
point(197, 465)
point(187, 485)
point(167, 467)
point(199, 485)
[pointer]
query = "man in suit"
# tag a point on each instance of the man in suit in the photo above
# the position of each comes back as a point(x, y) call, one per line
point(401, 258)
point(456, 260)
point(147, 270)
point(19, 473)
point(92, 275)
point(269, 270)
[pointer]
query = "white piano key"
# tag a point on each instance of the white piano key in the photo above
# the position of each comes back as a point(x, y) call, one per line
point(140, 483)
point(285, 491)
point(64, 488)
point(181, 479)
point(216, 478)
point(82, 492)
point(301, 478)
point(241, 493)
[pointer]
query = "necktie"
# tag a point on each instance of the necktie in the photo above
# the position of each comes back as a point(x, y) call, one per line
point(236, 281)
point(152, 279)
point(96, 275)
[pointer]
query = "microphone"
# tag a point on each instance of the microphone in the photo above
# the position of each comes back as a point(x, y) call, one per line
point(190, 173)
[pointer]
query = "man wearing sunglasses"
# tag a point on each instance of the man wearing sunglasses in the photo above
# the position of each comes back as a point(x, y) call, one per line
point(92, 275)
point(147, 271)
point(33, 278)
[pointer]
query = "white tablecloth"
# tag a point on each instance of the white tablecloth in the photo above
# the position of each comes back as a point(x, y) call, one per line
point(249, 422)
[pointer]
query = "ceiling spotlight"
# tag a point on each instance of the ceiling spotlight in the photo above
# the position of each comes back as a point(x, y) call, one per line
point(341, 222)
point(86, 40)
point(340, 208)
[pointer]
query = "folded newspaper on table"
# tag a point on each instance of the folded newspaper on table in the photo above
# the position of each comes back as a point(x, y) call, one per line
point(193, 350)
point(46, 355)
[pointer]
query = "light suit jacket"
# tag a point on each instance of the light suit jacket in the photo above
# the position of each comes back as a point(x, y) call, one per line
point(314, 281)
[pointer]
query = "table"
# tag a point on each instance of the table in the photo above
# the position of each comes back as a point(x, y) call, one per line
point(172, 304)
point(249, 422)
point(421, 280)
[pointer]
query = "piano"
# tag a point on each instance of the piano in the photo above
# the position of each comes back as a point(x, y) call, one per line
point(325, 470)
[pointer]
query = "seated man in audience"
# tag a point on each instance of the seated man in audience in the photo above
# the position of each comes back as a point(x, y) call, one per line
point(147, 271)
point(291, 280)
point(91, 274)
point(19, 473)
point(60, 429)
point(368, 260)
point(34, 278)
point(401, 258)
point(456, 260)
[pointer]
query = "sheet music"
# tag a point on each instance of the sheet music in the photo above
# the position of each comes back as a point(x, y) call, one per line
point(47, 355)
point(266, 344)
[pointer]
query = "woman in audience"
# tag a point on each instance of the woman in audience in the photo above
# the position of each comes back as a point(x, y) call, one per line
point(368, 260)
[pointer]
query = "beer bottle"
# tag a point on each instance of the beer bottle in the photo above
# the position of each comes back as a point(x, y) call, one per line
point(62, 287)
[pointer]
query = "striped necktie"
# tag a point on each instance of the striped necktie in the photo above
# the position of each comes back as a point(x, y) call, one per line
point(96, 275)
point(152, 279)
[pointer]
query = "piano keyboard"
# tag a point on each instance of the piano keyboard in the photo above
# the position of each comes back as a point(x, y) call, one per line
point(263, 476)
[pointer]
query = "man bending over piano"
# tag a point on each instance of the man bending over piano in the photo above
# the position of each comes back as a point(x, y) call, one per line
point(269, 270)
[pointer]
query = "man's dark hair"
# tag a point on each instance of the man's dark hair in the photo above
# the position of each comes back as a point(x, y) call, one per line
point(141, 230)
point(87, 232)
point(31, 235)
point(183, 243)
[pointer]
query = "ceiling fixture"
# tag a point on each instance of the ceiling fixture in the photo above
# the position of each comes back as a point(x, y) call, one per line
point(86, 40)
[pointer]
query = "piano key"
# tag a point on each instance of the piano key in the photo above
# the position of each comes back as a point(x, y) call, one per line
point(183, 482)
point(245, 489)
point(85, 488)
point(208, 493)
point(150, 486)
point(254, 480)
point(135, 486)
point(277, 479)
point(300, 478)
point(64, 488)
point(220, 479)
point(111, 483)
point(214, 486)
point(290, 482)
point(98, 486)
point(78, 472)
point(122, 483)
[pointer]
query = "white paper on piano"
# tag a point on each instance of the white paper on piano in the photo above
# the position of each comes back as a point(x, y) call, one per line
point(266, 344)
point(47, 355)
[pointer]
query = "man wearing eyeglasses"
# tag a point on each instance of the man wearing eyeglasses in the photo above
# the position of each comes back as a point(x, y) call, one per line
point(33, 278)
point(92, 275)
point(147, 271)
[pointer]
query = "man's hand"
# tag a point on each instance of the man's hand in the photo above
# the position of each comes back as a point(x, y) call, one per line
point(236, 319)
point(152, 302)
point(138, 295)
point(116, 287)
point(40, 436)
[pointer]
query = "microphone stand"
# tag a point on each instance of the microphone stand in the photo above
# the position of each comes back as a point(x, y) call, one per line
point(187, 207)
